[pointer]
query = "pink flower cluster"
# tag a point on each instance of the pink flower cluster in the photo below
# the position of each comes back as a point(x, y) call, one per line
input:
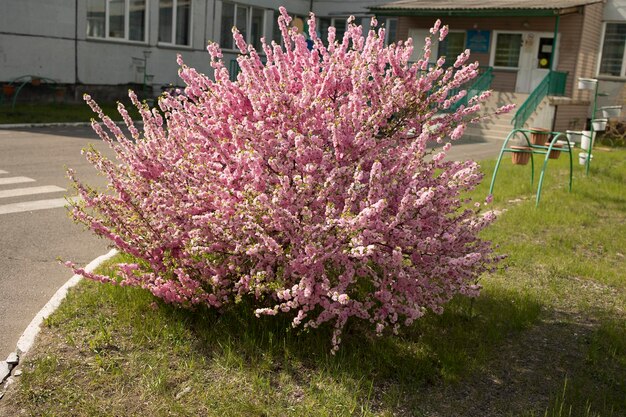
point(306, 184)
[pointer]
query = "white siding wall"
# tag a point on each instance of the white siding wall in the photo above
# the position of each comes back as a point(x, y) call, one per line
point(47, 38)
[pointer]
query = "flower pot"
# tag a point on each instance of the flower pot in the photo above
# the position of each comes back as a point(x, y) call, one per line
point(539, 136)
point(599, 125)
point(8, 90)
point(611, 111)
point(554, 153)
point(582, 158)
point(522, 156)
point(587, 83)
point(35, 81)
point(587, 139)
point(574, 136)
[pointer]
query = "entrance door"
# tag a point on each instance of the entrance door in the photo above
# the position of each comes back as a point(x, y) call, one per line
point(534, 60)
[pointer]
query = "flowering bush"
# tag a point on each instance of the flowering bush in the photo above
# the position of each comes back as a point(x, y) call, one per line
point(306, 184)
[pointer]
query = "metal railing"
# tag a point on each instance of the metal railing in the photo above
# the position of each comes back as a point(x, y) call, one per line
point(553, 84)
point(474, 88)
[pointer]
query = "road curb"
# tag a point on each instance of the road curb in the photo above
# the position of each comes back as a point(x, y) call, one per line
point(29, 125)
point(27, 338)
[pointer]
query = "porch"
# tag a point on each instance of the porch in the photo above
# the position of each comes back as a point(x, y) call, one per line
point(536, 50)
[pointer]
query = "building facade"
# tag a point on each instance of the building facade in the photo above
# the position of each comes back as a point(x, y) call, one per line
point(96, 44)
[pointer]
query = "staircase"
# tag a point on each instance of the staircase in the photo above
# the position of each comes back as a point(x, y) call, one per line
point(498, 127)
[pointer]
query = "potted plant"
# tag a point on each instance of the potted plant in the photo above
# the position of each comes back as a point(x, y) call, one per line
point(582, 158)
point(611, 111)
point(8, 89)
point(574, 136)
point(35, 81)
point(587, 83)
point(587, 140)
point(521, 155)
point(555, 152)
point(599, 125)
point(539, 136)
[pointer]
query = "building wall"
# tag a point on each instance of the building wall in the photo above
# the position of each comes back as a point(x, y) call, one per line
point(47, 38)
point(574, 44)
point(590, 40)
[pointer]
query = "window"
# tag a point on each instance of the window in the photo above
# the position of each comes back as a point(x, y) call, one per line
point(452, 46)
point(507, 50)
point(117, 19)
point(339, 23)
point(613, 59)
point(391, 26)
point(175, 22)
point(249, 21)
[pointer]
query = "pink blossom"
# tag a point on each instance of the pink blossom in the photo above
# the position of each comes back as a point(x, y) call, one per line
point(308, 175)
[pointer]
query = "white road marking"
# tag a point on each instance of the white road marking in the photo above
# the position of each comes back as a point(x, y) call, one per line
point(3, 172)
point(16, 192)
point(34, 205)
point(15, 180)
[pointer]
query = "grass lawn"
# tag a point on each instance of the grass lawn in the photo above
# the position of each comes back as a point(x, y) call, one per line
point(57, 113)
point(547, 336)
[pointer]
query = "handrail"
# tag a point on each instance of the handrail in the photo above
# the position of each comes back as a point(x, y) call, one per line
point(552, 84)
point(475, 88)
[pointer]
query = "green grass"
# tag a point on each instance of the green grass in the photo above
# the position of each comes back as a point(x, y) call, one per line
point(57, 113)
point(545, 338)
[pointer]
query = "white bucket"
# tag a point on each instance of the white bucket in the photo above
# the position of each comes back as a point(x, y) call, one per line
point(599, 125)
point(582, 158)
point(611, 111)
point(574, 136)
point(586, 139)
point(587, 83)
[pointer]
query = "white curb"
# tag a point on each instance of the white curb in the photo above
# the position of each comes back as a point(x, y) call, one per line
point(28, 337)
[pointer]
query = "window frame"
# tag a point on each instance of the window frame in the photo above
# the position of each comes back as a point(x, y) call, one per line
point(388, 32)
point(450, 59)
point(126, 38)
point(601, 49)
point(494, 43)
point(249, 13)
point(173, 34)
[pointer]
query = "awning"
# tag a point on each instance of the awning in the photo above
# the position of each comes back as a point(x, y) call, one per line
point(488, 8)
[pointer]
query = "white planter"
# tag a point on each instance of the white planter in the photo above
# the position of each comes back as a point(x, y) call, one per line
point(582, 158)
point(586, 139)
point(564, 143)
point(574, 136)
point(599, 125)
point(587, 83)
point(611, 111)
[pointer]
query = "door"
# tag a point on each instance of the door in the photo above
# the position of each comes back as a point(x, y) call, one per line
point(534, 60)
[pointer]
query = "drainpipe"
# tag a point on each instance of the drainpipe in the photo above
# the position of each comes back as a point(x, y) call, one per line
point(76, 50)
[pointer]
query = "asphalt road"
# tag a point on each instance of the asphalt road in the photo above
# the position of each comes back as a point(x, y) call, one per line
point(35, 229)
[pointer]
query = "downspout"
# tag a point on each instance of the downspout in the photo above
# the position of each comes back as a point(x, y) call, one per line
point(76, 50)
point(310, 5)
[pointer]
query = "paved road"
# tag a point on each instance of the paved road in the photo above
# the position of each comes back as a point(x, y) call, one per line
point(34, 226)
point(35, 229)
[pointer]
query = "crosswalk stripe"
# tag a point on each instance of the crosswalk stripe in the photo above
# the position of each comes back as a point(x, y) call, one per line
point(3, 172)
point(34, 205)
point(16, 192)
point(15, 180)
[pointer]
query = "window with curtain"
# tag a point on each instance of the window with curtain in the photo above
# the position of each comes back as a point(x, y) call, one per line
point(612, 59)
point(507, 51)
point(452, 46)
point(117, 19)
